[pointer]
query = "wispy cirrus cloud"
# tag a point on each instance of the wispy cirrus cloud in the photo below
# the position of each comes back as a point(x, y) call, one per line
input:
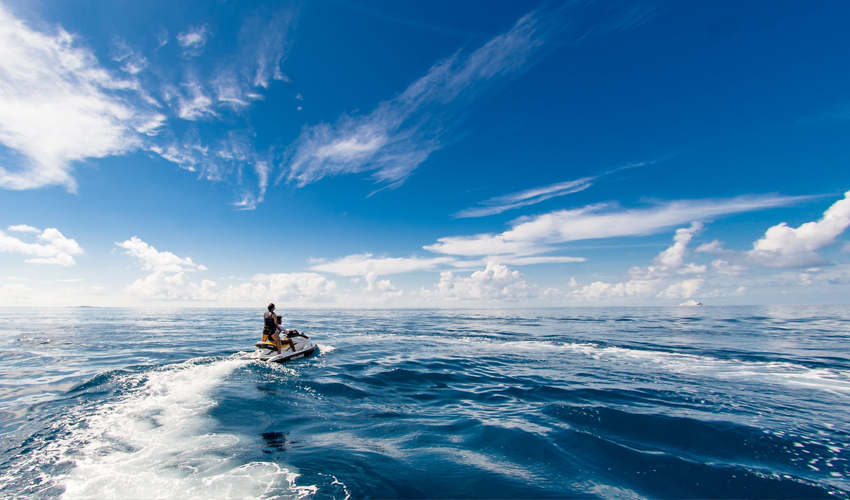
point(400, 134)
point(131, 61)
point(60, 106)
point(525, 198)
point(193, 40)
point(540, 234)
point(536, 195)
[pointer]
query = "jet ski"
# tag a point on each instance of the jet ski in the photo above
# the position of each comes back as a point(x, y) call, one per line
point(267, 351)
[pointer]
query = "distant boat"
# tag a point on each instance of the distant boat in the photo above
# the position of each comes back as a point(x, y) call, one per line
point(691, 303)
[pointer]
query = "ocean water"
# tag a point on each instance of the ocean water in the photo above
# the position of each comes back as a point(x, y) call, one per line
point(711, 402)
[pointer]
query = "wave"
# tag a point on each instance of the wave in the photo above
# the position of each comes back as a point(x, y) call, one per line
point(763, 371)
point(155, 440)
point(771, 372)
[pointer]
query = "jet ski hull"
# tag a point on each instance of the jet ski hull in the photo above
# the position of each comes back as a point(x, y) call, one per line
point(266, 351)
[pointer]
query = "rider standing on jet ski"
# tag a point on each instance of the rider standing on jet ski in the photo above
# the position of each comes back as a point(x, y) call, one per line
point(270, 327)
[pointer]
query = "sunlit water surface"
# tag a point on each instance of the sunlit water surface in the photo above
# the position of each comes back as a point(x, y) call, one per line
point(573, 403)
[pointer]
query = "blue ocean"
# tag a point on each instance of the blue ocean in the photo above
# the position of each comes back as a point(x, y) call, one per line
point(710, 402)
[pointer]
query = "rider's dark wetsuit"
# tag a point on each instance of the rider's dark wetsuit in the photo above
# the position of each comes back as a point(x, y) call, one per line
point(268, 325)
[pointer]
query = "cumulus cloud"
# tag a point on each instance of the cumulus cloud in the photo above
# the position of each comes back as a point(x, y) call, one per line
point(59, 106)
point(496, 281)
point(152, 259)
point(783, 246)
point(176, 287)
point(674, 257)
point(538, 234)
point(292, 287)
point(52, 246)
point(374, 285)
point(723, 267)
point(683, 290)
point(654, 281)
point(713, 247)
point(193, 40)
point(631, 288)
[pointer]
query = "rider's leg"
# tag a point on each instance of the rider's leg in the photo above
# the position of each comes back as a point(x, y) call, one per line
point(276, 338)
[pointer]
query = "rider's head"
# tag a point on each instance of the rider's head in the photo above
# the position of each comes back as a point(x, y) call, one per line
point(271, 307)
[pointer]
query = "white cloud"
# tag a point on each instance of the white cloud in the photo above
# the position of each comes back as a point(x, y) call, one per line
point(58, 106)
point(532, 196)
point(61, 106)
point(674, 257)
point(54, 247)
point(131, 61)
point(191, 155)
point(692, 268)
point(511, 201)
point(723, 267)
point(14, 292)
point(631, 288)
point(654, 281)
point(527, 261)
point(363, 264)
point(195, 105)
point(783, 246)
point(293, 287)
point(177, 287)
point(23, 228)
point(373, 285)
point(271, 44)
point(193, 40)
point(537, 234)
point(683, 290)
point(496, 281)
point(152, 259)
point(713, 247)
point(161, 39)
point(401, 133)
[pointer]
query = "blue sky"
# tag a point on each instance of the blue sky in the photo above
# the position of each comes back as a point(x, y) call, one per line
point(350, 153)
